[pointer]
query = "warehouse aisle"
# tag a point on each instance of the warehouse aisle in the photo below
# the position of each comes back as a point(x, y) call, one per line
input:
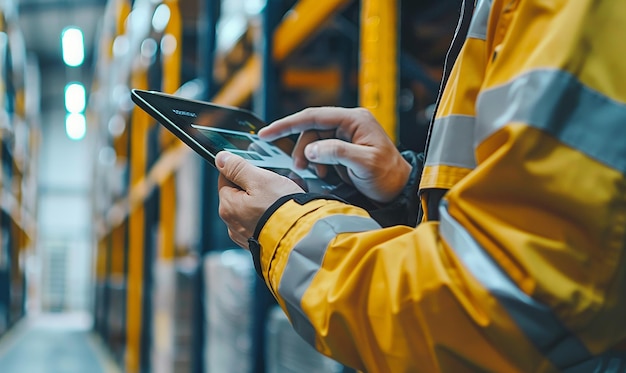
point(54, 344)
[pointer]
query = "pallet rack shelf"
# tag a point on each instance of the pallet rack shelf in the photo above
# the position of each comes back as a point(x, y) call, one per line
point(19, 143)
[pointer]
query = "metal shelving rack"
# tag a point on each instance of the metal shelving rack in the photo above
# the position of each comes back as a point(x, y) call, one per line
point(19, 139)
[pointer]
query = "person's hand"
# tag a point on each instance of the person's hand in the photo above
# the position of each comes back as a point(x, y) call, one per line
point(350, 139)
point(245, 193)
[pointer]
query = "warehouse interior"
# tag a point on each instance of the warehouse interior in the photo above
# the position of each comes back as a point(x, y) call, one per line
point(112, 252)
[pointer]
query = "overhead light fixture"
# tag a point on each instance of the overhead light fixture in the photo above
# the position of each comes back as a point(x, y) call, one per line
point(161, 18)
point(75, 126)
point(73, 46)
point(75, 101)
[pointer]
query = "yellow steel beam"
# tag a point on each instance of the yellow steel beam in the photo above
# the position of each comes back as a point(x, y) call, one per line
point(301, 23)
point(240, 87)
point(121, 10)
point(378, 75)
point(168, 218)
point(16, 269)
point(22, 218)
point(101, 259)
point(172, 59)
point(168, 162)
point(298, 25)
point(172, 52)
point(120, 144)
point(117, 251)
point(165, 281)
point(163, 168)
point(328, 79)
point(140, 123)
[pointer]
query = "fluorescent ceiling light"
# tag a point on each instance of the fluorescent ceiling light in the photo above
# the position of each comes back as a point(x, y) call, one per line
point(75, 101)
point(73, 46)
point(75, 126)
point(161, 18)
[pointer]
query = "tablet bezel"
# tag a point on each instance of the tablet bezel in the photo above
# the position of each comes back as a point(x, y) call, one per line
point(181, 124)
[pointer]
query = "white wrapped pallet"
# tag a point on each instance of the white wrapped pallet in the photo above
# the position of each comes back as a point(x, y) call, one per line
point(229, 284)
point(287, 352)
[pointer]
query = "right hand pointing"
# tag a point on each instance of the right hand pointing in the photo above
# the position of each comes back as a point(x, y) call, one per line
point(350, 139)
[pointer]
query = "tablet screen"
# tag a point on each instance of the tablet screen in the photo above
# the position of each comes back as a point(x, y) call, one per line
point(209, 128)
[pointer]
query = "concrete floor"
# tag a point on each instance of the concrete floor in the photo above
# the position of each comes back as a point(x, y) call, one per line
point(54, 344)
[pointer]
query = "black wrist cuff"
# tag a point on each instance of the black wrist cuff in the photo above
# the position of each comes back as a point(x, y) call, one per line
point(301, 198)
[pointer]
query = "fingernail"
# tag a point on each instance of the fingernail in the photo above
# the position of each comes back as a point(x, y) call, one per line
point(221, 158)
point(311, 152)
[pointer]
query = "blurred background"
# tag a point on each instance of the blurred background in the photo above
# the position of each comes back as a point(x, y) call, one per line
point(112, 256)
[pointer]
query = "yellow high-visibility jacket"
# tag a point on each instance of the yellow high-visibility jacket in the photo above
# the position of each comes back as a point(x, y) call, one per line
point(525, 268)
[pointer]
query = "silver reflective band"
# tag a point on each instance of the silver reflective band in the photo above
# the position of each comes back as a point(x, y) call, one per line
point(478, 27)
point(558, 103)
point(610, 362)
point(306, 259)
point(535, 319)
point(452, 142)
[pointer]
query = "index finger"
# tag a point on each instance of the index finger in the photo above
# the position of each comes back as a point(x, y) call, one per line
point(322, 118)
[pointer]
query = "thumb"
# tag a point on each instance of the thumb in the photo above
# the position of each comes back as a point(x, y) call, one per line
point(234, 168)
point(338, 152)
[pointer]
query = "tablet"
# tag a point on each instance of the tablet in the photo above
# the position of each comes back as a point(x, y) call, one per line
point(209, 128)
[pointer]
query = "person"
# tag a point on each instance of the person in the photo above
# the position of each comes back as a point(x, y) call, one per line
point(518, 263)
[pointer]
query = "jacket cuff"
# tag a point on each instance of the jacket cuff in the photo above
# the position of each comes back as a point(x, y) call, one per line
point(300, 198)
point(405, 208)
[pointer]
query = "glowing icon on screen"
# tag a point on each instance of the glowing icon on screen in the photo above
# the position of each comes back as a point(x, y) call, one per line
point(247, 125)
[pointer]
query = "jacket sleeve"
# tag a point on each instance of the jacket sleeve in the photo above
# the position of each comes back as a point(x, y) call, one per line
point(379, 299)
point(525, 271)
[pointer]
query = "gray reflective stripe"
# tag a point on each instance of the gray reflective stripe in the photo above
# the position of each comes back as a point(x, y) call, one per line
point(305, 261)
point(610, 362)
point(558, 103)
point(478, 27)
point(452, 142)
point(535, 319)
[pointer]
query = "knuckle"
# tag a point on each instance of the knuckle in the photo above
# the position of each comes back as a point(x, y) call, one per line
point(377, 152)
point(223, 212)
point(364, 112)
point(309, 112)
point(231, 235)
point(227, 213)
point(339, 151)
point(239, 170)
point(379, 157)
